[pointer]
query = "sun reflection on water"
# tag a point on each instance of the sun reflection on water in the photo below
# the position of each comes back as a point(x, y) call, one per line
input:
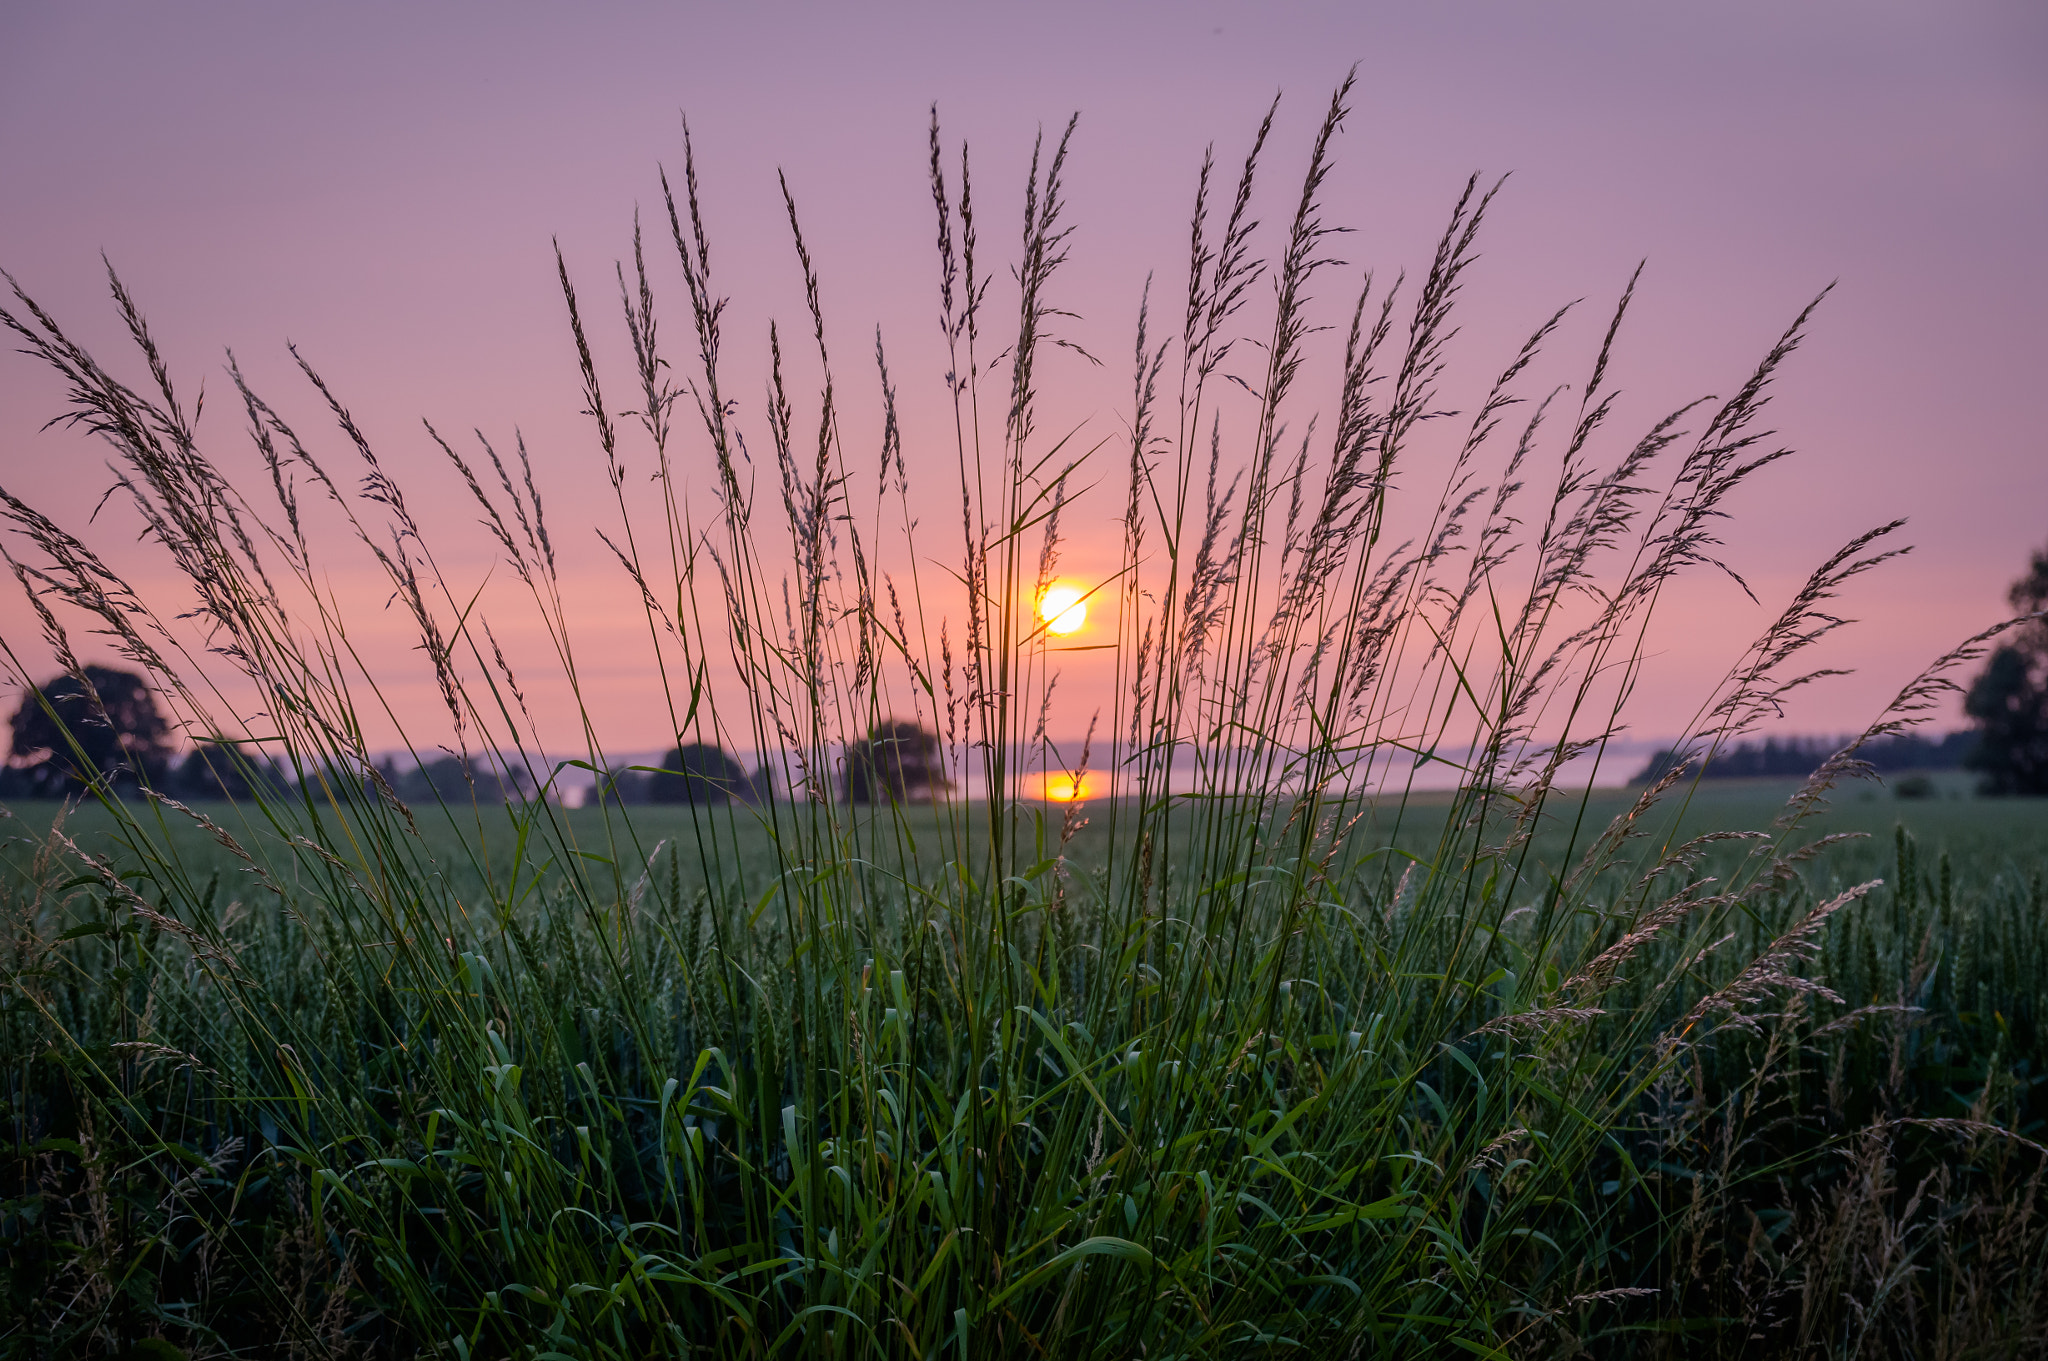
point(1063, 786)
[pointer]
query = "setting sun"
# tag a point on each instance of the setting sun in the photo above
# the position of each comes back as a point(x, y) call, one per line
point(1064, 786)
point(1063, 607)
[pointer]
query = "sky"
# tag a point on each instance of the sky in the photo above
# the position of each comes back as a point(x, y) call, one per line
point(382, 184)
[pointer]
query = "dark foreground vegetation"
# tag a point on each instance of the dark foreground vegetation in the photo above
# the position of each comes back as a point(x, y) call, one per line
point(1267, 1055)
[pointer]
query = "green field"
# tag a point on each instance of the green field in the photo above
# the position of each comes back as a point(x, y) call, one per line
point(1994, 836)
point(169, 1116)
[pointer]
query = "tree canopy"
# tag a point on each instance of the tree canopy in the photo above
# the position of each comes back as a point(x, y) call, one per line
point(221, 769)
point(74, 731)
point(895, 762)
point(2009, 699)
point(698, 773)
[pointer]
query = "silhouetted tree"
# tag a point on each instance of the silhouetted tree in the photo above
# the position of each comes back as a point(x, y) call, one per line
point(334, 779)
point(621, 785)
point(451, 780)
point(2009, 699)
point(225, 770)
point(896, 761)
point(63, 740)
point(699, 773)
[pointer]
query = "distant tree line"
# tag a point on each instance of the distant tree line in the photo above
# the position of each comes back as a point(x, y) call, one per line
point(701, 774)
point(450, 779)
point(65, 739)
point(1796, 757)
point(897, 762)
point(103, 729)
point(2008, 703)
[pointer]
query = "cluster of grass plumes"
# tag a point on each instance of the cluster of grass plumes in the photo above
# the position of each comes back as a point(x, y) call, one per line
point(1862, 1173)
point(1224, 1072)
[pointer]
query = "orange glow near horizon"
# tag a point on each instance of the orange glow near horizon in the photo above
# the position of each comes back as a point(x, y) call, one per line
point(1064, 608)
point(1063, 786)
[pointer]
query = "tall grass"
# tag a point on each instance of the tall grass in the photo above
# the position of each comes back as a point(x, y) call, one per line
point(819, 1079)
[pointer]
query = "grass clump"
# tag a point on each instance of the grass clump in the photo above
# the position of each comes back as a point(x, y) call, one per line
point(1262, 1051)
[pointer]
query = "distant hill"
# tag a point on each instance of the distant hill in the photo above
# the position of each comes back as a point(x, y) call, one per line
point(1799, 756)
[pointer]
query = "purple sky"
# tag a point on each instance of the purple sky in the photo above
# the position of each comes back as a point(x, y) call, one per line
point(379, 183)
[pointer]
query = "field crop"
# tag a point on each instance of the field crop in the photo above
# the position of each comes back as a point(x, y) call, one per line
point(1842, 1166)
